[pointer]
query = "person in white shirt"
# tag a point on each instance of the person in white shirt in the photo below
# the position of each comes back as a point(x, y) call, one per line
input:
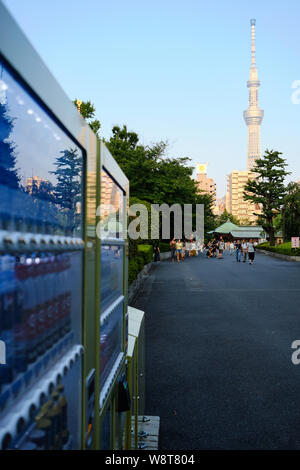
point(244, 250)
point(251, 251)
point(221, 246)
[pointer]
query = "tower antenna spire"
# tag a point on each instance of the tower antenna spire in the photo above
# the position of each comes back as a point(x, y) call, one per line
point(252, 22)
point(253, 115)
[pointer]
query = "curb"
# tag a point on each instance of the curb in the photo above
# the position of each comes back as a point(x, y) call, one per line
point(137, 283)
point(279, 255)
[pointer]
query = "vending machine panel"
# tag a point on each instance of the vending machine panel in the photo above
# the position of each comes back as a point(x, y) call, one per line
point(41, 269)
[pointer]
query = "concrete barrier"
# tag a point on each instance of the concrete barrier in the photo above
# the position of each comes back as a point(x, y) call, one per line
point(164, 256)
point(279, 255)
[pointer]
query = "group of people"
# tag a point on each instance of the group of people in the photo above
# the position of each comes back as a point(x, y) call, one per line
point(181, 248)
point(243, 249)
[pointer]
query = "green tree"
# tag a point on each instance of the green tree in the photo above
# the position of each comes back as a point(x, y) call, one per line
point(67, 191)
point(8, 172)
point(291, 212)
point(87, 110)
point(221, 219)
point(268, 189)
point(155, 177)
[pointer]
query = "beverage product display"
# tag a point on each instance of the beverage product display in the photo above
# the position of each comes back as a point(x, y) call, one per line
point(41, 272)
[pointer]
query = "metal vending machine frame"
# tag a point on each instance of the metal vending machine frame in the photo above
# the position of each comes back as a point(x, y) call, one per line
point(48, 397)
point(113, 244)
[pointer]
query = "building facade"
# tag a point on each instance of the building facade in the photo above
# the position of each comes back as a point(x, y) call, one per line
point(204, 183)
point(235, 203)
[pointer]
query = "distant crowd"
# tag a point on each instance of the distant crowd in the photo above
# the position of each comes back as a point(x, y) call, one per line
point(242, 249)
point(182, 248)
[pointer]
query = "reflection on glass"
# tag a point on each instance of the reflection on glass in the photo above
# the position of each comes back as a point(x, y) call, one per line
point(40, 167)
point(111, 274)
point(110, 342)
point(40, 193)
point(111, 208)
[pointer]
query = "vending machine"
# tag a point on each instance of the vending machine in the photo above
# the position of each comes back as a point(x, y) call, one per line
point(42, 213)
point(114, 399)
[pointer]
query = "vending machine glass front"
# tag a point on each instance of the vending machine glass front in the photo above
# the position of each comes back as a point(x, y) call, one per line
point(41, 263)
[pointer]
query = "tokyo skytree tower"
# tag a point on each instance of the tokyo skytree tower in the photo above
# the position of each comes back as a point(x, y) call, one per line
point(253, 116)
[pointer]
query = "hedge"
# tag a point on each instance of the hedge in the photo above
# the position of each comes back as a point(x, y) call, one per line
point(164, 247)
point(142, 256)
point(146, 252)
point(283, 249)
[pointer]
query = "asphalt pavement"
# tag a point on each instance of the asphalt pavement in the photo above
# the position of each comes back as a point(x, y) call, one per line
point(218, 353)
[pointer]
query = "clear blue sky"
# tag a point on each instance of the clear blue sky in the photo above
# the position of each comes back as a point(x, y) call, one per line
point(176, 70)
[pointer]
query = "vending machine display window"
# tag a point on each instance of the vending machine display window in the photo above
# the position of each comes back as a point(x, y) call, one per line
point(111, 340)
point(111, 208)
point(41, 168)
point(112, 257)
point(41, 251)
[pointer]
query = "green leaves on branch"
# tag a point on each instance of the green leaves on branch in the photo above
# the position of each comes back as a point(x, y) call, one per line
point(291, 212)
point(268, 189)
point(87, 110)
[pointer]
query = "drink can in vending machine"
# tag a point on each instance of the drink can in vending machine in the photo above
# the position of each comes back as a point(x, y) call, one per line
point(40, 307)
point(30, 312)
point(20, 320)
point(7, 311)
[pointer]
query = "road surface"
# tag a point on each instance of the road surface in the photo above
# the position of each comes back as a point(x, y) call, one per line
point(218, 353)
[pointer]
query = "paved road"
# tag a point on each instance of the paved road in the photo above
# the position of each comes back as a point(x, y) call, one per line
point(218, 353)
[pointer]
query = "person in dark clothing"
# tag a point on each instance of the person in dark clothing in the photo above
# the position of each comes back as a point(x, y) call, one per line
point(156, 254)
point(173, 249)
point(238, 250)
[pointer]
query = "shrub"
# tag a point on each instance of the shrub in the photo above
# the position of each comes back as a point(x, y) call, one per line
point(164, 247)
point(133, 270)
point(138, 257)
point(146, 252)
point(283, 249)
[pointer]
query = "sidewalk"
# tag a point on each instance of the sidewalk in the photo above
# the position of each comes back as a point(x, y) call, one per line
point(218, 353)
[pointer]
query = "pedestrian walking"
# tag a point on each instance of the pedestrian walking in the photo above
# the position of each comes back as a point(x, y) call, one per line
point(251, 251)
point(231, 248)
point(157, 254)
point(214, 248)
point(173, 249)
point(184, 248)
point(238, 250)
point(244, 250)
point(178, 249)
point(221, 246)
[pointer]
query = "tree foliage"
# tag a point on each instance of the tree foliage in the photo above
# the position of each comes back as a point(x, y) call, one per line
point(8, 172)
point(291, 212)
point(221, 219)
point(67, 191)
point(87, 110)
point(268, 189)
point(154, 176)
